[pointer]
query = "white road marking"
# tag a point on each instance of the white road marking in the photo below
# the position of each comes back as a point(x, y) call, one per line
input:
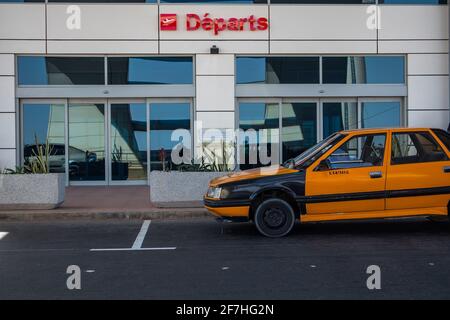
point(3, 234)
point(137, 245)
point(132, 249)
point(90, 271)
point(141, 236)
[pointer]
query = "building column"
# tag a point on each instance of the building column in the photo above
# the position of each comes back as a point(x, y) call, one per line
point(428, 90)
point(7, 112)
point(215, 95)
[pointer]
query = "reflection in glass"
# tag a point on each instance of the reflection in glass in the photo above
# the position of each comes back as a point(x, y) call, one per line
point(263, 118)
point(87, 142)
point(380, 114)
point(34, 70)
point(277, 70)
point(299, 130)
point(339, 116)
point(104, 1)
point(412, 1)
point(42, 123)
point(364, 70)
point(213, 1)
point(129, 141)
point(150, 70)
point(164, 119)
point(325, 1)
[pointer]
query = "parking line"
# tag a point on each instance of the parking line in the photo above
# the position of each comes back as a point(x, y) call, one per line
point(131, 249)
point(137, 245)
point(141, 236)
point(3, 234)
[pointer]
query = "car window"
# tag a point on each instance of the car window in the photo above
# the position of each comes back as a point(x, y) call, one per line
point(443, 136)
point(360, 151)
point(415, 147)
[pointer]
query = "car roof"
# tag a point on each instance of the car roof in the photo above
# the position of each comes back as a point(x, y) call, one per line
point(376, 130)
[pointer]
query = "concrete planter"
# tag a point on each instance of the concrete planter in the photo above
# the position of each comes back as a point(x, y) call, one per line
point(31, 191)
point(180, 189)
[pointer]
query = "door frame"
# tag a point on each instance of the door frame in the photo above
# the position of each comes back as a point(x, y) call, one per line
point(110, 102)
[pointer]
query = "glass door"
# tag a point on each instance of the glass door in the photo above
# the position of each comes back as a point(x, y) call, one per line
point(42, 122)
point(86, 142)
point(292, 123)
point(170, 129)
point(338, 114)
point(128, 141)
point(300, 129)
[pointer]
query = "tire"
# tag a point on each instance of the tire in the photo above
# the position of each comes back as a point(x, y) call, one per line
point(274, 218)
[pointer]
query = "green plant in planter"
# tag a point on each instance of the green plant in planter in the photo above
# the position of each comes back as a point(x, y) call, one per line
point(16, 170)
point(39, 162)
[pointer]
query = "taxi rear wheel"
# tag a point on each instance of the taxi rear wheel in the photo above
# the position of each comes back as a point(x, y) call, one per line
point(274, 218)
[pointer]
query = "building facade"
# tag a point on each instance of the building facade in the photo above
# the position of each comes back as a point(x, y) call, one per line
point(106, 83)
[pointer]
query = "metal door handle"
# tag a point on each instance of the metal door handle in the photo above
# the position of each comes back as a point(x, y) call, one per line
point(446, 169)
point(376, 174)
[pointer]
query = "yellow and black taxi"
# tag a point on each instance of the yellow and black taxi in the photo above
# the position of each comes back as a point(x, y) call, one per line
point(357, 174)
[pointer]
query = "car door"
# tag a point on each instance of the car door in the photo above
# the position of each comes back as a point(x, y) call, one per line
point(349, 178)
point(418, 171)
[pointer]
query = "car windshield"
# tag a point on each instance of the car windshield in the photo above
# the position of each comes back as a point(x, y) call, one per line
point(308, 156)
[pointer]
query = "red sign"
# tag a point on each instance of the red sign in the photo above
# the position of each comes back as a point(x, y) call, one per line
point(195, 22)
point(168, 22)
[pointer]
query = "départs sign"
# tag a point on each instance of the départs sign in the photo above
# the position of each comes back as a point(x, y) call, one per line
point(194, 22)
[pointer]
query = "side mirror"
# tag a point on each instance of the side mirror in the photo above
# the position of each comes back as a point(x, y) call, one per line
point(323, 166)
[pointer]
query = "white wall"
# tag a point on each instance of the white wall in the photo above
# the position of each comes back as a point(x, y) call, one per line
point(7, 112)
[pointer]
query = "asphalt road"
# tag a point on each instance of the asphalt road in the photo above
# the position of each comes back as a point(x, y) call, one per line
point(202, 259)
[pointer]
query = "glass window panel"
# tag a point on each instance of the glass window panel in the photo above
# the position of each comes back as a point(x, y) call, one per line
point(325, 1)
point(150, 70)
point(339, 116)
point(86, 142)
point(213, 1)
point(415, 147)
point(364, 70)
point(104, 1)
point(129, 141)
point(42, 123)
point(277, 70)
point(299, 130)
point(258, 120)
point(381, 114)
point(412, 1)
point(358, 152)
point(443, 136)
point(164, 119)
point(34, 70)
point(20, 1)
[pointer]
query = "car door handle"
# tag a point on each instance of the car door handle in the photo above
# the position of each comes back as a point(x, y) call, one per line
point(376, 174)
point(446, 169)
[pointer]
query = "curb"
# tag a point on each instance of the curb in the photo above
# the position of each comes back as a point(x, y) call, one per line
point(154, 214)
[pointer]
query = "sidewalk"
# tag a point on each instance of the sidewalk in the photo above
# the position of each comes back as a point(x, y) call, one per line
point(109, 202)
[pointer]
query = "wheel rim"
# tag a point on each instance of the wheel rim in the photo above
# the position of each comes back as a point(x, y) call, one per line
point(274, 218)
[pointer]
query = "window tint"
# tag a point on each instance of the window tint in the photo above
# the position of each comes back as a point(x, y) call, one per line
point(364, 70)
point(414, 148)
point(360, 151)
point(213, 1)
point(277, 70)
point(412, 1)
point(34, 70)
point(325, 1)
point(44, 123)
point(150, 70)
point(444, 137)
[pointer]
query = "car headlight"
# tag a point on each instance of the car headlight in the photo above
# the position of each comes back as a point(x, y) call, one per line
point(214, 192)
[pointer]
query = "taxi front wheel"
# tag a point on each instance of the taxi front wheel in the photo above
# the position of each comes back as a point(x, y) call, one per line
point(274, 218)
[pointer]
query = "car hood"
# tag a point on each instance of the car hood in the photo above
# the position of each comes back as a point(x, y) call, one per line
point(251, 174)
